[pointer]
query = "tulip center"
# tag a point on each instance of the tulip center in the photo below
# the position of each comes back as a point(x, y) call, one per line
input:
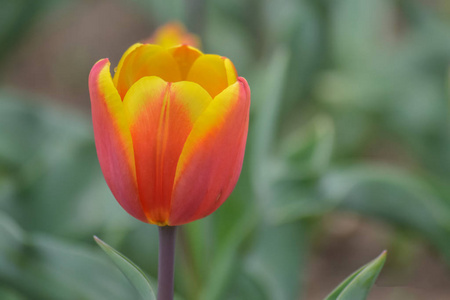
point(213, 73)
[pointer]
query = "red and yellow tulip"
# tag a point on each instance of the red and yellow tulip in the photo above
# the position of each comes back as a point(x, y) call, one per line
point(173, 34)
point(170, 130)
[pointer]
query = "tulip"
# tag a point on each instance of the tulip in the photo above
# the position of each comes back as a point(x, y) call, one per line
point(170, 131)
point(173, 34)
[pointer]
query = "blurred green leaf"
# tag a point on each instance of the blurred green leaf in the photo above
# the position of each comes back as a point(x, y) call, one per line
point(16, 18)
point(228, 38)
point(50, 171)
point(308, 149)
point(358, 285)
point(42, 267)
point(278, 259)
point(394, 196)
point(196, 243)
point(8, 294)
point(361, 32)
point(221, 269)
point(134, 274)
point(162, 12)
point(263, 132)
point(305, 155)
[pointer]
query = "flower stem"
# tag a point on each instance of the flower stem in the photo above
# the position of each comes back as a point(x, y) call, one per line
point(166, 262)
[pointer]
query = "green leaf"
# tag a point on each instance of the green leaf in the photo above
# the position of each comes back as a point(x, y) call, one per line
point(358, 285)
point(395, 196)
point(224, 263)
point(134, 274)
point(30, 263)
point(278, 259)
point(308, 149)
point(39, 144)
point(264, 130)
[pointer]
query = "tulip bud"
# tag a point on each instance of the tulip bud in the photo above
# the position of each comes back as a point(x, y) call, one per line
point(170, 131)
point(173, 34)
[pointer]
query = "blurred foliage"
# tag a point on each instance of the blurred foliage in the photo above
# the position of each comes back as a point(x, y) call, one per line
point(350, 111)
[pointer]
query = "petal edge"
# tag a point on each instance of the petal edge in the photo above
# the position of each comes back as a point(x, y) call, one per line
point(113, 140)
point(211, 160)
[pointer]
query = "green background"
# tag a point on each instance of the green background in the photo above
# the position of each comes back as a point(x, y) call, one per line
point(348, 151)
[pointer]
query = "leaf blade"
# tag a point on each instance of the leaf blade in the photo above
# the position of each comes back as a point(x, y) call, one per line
point(358, 284)
point(133, 273)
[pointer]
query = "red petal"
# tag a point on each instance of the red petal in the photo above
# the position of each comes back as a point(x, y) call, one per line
point(113, 140)
point(161, 116)
point(211, 161)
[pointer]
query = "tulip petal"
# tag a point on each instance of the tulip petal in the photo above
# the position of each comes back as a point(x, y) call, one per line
point(211, 160)
point(173, 34)
point(161, 116)
point(213, 72)
point(122, 59)
point(230, 70)
point(146, 60)
point(113, 139)
point(185, 56)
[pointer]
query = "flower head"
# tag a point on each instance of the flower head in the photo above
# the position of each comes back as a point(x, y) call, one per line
point(170, 130)
point(173, 34)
